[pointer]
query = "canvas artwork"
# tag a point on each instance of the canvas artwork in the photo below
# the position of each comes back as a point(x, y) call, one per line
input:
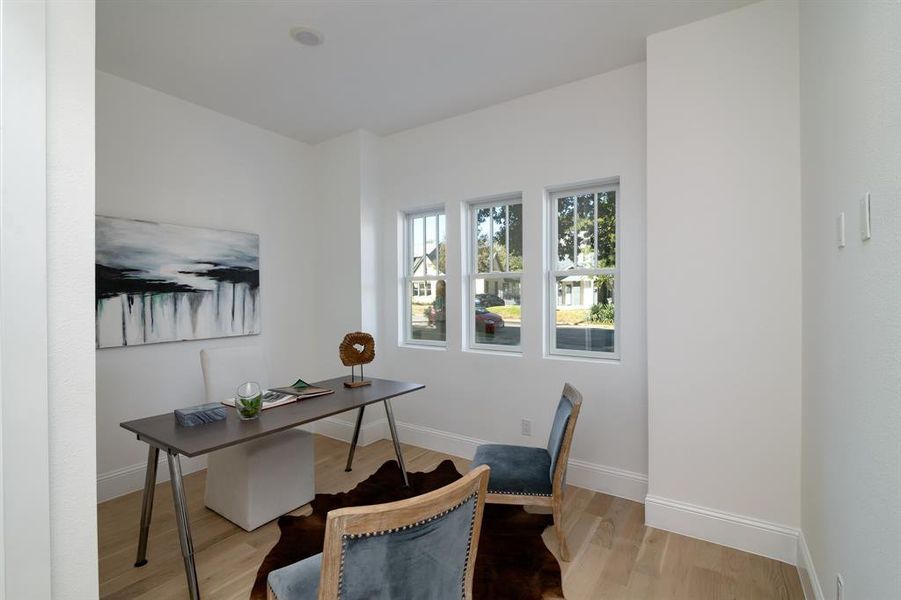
point(163, 283)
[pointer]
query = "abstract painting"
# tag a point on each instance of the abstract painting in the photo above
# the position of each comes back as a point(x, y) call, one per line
point(163, 283)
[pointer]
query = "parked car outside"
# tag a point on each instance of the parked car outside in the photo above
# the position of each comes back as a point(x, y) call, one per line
point(486, 321)
point(489, 300)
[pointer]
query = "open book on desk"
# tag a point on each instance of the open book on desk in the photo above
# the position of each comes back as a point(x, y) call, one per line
point(302, 390)
point(286, 395)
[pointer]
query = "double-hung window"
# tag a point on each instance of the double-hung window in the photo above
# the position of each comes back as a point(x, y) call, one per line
point(424, 280)
point(495, 274)
point(582, 279)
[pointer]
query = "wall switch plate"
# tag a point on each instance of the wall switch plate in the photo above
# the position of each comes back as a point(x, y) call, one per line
point(526, 427)
point(839, 587)
point(840, 230)
point(865, 233)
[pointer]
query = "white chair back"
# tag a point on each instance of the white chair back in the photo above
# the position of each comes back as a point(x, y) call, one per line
point(224, 369)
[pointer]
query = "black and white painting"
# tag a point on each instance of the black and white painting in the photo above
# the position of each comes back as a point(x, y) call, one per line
point(162, 283)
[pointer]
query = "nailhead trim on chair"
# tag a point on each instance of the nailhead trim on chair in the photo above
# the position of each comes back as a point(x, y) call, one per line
point(354, 536)
point(472, 524)
point(519, 493)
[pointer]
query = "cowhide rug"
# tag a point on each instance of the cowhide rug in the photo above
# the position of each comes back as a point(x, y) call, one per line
point(512, 560)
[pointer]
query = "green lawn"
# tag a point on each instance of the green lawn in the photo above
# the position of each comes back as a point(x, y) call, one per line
point(565, 316)
point(510, 313)
point(513, 314)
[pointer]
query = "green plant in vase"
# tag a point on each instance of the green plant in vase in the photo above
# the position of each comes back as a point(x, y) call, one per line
point(249, 401)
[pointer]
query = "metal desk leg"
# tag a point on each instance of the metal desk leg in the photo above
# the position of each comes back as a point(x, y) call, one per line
point(353, 441)
point(393, 428)
point(184, 527)
point(153, 457)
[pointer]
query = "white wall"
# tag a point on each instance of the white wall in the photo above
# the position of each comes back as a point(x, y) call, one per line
point(851, 144)
point(345, 224)
point(25, 536)
point(346, 248)
point(70, 298)
point(164, 159)
point(590, 129)
point(336, 225)
point(48, 538)
point(724, 273)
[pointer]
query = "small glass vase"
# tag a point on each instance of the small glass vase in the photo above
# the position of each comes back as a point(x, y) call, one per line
point(249, 401)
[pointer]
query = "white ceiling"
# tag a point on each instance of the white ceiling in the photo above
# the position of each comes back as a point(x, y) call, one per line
point(385, 66)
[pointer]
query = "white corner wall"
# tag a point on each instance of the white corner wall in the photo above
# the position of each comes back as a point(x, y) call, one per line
point(590, 129)
point(341, 222)
point(724, 273)
point(70, 299)
point(25, 535)
point(851, 144)
point(164, 159)
point(344, 224)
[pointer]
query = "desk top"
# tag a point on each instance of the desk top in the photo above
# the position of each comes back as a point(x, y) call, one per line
point(165, 432)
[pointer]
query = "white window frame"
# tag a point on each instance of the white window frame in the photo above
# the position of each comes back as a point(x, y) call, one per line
point(553, 272)
point(474, 207)
point(409, 278)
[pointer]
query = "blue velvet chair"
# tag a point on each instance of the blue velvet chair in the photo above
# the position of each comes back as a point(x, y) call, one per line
point(422, 547)
point(535, 476)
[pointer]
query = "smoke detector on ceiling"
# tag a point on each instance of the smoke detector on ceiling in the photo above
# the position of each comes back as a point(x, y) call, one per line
point(306, 36)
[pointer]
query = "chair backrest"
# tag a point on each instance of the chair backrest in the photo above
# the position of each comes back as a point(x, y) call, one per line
point(224, 369)
point(422, 547)
point(561, 437)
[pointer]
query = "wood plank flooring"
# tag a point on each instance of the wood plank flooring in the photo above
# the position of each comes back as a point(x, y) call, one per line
point(614, 555)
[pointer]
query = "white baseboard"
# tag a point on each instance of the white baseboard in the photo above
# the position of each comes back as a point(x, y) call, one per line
point(609, 480)
point(344, 430)
point(437, 440)
point(727, 529)
point(119, 482)
point(809, 580)
point(591, 476)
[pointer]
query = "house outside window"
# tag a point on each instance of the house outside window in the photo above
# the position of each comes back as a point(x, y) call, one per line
point(425, 259)
point(495, 280)
point(584, 270)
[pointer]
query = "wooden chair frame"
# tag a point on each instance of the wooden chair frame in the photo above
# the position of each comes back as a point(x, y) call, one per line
point(555, 500)
point(361, 520)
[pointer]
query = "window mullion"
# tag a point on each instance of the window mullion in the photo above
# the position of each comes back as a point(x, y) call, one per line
point(597, 242)
point(575, 230)
point(491, 239)
point(409, 249)
point(474, 240)
point(507, 230)
point(425, 264)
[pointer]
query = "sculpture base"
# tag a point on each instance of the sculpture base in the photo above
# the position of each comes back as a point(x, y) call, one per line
point(356, 384)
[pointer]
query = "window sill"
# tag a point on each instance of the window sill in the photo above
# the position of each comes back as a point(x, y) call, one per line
point(612, 359)
point(515, 351)
point(416, 346)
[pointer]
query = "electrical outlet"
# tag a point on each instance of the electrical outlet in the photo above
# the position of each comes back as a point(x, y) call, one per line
point(526, 427)
point(839, 587)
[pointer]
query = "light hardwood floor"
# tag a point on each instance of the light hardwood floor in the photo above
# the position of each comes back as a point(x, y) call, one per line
point(613, 554)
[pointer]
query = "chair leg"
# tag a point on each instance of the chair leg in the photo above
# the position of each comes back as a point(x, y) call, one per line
point(558, 527)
